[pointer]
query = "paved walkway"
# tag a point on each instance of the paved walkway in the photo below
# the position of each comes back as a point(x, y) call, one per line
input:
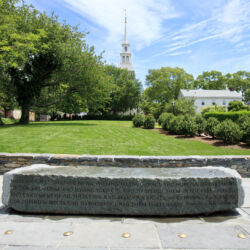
point(219, 231)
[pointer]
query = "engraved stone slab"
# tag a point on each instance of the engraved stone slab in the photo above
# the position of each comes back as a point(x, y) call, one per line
point(122, 191)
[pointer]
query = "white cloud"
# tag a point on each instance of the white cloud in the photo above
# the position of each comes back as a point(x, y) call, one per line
point(145, 18)
point(181, 53)
point(229, 22)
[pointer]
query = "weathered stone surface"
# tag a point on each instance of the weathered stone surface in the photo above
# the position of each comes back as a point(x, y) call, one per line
point(131, 191)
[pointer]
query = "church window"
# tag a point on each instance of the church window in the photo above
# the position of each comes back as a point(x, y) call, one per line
point(203, 103)
point(213, 102)
point(127, 59)
point(126, 49)
point(123, 59)
point(224, 102)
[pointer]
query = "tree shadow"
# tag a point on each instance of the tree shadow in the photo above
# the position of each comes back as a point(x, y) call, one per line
point(48, 124)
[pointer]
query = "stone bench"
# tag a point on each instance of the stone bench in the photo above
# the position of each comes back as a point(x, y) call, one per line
point(122, 191)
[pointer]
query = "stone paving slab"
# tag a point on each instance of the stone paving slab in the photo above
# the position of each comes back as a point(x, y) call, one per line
point(49, 248)
point(35, 234)
point(247, 210)
point(203, 236)
point(246, 186)
point(110, 235)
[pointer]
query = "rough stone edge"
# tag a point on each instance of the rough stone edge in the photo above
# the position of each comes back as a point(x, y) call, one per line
point(7, 179)
point(237, 176)
point(9, 176)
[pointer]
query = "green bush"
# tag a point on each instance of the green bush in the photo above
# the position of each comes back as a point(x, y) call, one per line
point(213, 108)
point(244, 123)
point(222, 116)
point(162, 117)
point(138, 120)
point(175, 125)
point(201, 124)
point(229, 132)
point(166, 120)
point(149, 122)
point(210, 126)
point(236, 106)
point(188, 126)
point(181, 107)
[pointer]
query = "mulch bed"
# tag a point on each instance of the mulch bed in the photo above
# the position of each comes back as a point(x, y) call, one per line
point(205, 139)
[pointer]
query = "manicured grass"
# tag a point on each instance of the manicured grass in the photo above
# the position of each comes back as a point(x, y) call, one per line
point(99, 137)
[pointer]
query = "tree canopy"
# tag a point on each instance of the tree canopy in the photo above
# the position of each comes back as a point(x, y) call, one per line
point(164, 84)
point(126, 90)
point(40, 55)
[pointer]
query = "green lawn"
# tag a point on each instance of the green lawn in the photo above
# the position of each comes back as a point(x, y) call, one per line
point(99, 137)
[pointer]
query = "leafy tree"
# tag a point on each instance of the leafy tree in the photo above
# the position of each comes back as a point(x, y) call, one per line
point(164, 84)
point(7, 98)
point(181, 107)
point(210, 80)
point(39, 54)
point(239, 81)
point(247, 97)
point(126, 90)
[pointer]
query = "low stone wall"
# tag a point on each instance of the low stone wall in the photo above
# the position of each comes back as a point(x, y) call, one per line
point(10, 161)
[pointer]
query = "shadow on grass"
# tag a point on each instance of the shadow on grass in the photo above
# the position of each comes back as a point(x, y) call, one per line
point(48, 124)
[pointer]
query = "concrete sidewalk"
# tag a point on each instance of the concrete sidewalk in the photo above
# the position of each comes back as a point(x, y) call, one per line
point(218, 231)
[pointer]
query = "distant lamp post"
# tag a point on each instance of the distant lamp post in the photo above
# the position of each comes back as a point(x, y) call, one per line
point(173, 103)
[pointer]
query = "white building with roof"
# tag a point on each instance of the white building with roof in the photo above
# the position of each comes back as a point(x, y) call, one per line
point(126, 62)
point(205, 98)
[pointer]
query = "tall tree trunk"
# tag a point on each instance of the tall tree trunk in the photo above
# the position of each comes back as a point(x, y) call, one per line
point(25, 115)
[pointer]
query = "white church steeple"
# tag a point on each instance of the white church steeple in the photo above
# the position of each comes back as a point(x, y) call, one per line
point(126, 54)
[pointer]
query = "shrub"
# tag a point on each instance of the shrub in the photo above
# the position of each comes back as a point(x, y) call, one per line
point(188, 126)
point(201, 124)
point(229, 132)
point(175, 125)
point(161, 118)
point(149, 122)
point(236, 106)
point(222, 116)
point(244, 123)
point(210, 126)
point(213, 108)
point(138, 120)
point(181, 107)
point(166, 120)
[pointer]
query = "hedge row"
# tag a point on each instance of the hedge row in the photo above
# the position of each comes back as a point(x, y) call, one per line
point(230, 132)
point(222, 116)
point(108, 117)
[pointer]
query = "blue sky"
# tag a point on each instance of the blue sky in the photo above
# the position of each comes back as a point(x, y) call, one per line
point(197, 35)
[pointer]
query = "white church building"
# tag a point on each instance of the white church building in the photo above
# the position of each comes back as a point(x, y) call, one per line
point(205, 98)
point(126, 62)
